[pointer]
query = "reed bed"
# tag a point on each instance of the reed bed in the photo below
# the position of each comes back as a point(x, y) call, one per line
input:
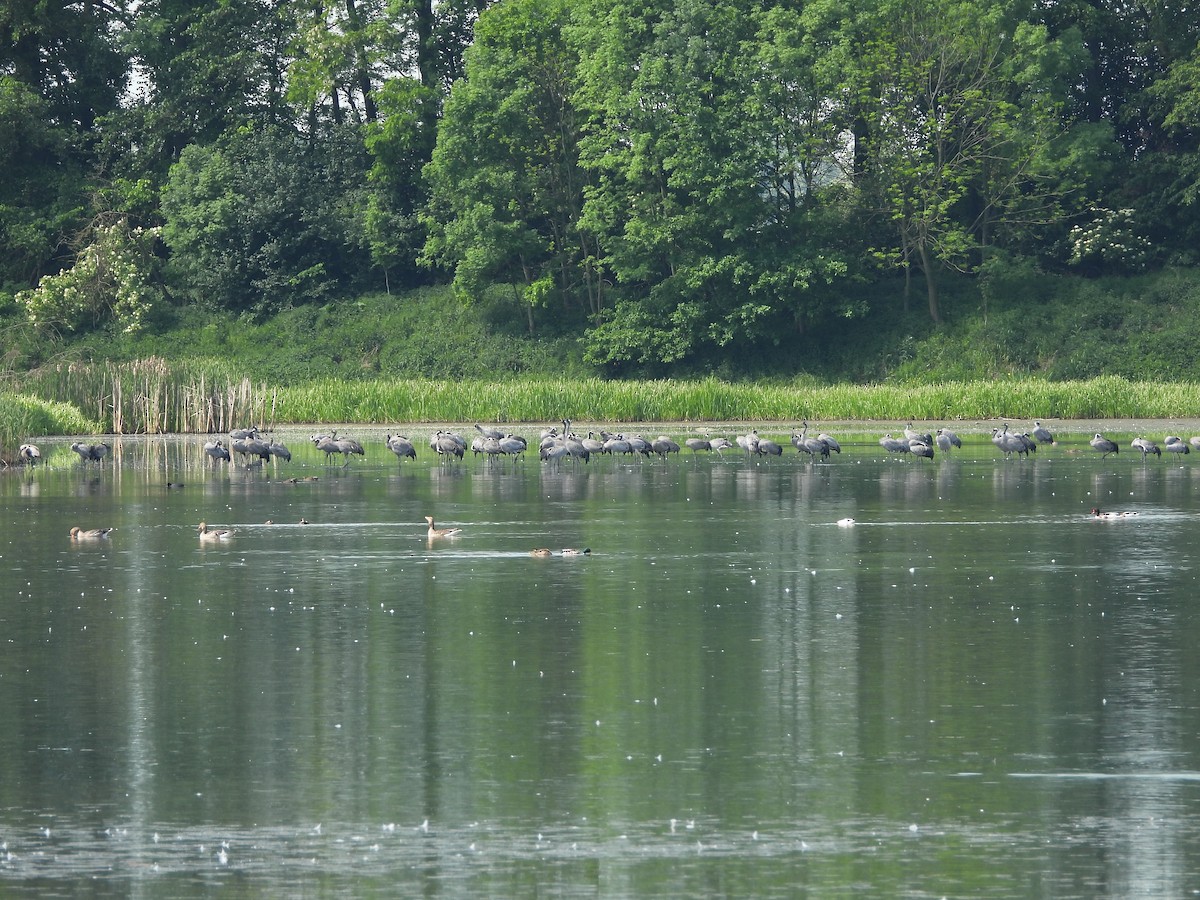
point(153, 396)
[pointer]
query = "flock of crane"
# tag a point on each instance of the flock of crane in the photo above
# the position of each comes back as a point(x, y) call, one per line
point(253, 448)
point(555, 444)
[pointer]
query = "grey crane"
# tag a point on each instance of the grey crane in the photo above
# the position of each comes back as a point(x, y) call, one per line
point(662, 445)
point(1146, 446)
point(255, 446)
point(489, 432)
point(216, 450)
point(920, 449)
point(1176, 444)
point(828, 441)
point(401, 446)
point(1041, 434)
point(893, 445)
point(91, 452)
point(616, 443)
point(575, 448)
point(593, 444)
point(814, 447)
point(1010, 442)
point(1103, 445)
point(925, 438)
point(945, 439)
point(446, 443)
point(513, 445)
point(768, 447)
point(331, 444)
point(638, 444)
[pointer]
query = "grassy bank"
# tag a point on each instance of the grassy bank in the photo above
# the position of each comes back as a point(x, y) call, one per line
point(1018, 323)
point(152, 396)
point(1021, 344)
point(23, 417)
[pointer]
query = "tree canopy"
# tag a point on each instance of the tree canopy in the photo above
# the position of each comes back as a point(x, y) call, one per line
point(668, 180)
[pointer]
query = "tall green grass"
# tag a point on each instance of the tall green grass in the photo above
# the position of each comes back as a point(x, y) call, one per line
point(712, 400)
point(23, 417)
point(154, 396)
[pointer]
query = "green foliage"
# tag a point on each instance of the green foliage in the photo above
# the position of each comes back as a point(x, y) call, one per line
point(679, 185)
point(42, 193)
point(400, 144)
point(266, 221)
point(113, 278)
point(506, 188)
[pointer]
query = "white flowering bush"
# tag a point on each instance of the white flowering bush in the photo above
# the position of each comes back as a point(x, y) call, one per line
point(112, 279)
point(1110, 240)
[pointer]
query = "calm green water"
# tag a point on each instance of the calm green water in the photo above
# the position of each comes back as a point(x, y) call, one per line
point(975, 691)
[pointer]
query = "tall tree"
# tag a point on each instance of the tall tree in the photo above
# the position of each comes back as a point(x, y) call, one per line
point(60, 71)
point(427, 63)
point(950, 138)
point(67, 53)
point(43, 195)
point(506, 189)
point(203, 70)
point(710, 137)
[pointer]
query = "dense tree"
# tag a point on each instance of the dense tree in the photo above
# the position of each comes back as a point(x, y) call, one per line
point(944, 125)
point(204, 70)
point(43, 192)
point(252, 229)
point(680, 180)
point(67, 54)
point(60, 71)
point(506, 189)
point(710, 139)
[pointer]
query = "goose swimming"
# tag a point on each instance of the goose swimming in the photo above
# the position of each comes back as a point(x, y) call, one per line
point(213, 534)
point(89, 534)
point(435, 532)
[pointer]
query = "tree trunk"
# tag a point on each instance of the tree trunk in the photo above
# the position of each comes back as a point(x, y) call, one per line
point(362, 72)
point(931, 284)
point(426, 46)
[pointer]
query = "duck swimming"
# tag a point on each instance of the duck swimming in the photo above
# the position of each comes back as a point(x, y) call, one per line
point(571, 551)
point(1097, 514)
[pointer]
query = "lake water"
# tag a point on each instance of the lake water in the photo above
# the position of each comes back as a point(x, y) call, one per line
point(976, 690)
